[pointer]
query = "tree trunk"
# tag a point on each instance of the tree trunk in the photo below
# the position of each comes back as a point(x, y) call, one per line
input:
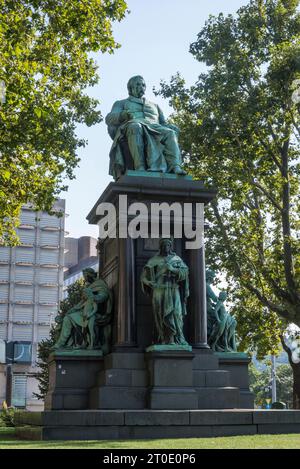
point(296, 375)
point(296, 385)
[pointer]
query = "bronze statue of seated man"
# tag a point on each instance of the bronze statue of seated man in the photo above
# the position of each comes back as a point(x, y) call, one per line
point(151, 141)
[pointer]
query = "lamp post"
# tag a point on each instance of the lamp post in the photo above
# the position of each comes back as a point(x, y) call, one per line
point(273, 379)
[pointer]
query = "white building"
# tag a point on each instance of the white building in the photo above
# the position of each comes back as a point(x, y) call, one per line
point(31, 286)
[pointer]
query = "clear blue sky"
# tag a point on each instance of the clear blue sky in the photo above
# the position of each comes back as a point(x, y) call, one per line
point(155, 39)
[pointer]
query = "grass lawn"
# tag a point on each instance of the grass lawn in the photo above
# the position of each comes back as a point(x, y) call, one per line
point(9, 441)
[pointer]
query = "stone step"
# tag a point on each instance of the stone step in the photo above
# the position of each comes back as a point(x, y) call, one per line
point(117, 397)
point(133, 424)
point(218, 398)
point(117, 377)
point(148, 417)
point(211, 378)
point(172, 398)
point(149, 432)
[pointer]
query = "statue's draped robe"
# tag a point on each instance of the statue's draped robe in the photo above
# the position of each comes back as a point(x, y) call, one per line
point(169, 295)
point(153, 122)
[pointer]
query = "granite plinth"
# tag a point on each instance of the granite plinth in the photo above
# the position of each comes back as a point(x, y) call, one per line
point(171, 379)
point(70, 378)
point(143, 424)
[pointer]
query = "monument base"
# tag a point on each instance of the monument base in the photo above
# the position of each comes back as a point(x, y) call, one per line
point(157, 394)
point(163, 378)
point(134, 424)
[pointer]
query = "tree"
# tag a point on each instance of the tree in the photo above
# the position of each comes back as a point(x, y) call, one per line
point(293, 352)
point(260, 384)
point(45, 65)
point(259, 329)
point(74, 295)
point(240, 131)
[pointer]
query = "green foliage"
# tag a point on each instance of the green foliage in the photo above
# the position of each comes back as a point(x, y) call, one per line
point(260, 384)
point(258, 329)
point(74, 295)
point(44, 350)
point(240, 131)
point(7, 415)
point(45, 64)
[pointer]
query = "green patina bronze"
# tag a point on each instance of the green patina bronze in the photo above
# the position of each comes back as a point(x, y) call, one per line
point(136, 173)
point(87, 326)
point(141, 125)
point(168, 348)
point(166, 278)
point(220, 325)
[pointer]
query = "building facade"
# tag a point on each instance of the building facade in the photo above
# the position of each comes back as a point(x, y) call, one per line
point(79, 249)
point(80, 254)
point(31, 286)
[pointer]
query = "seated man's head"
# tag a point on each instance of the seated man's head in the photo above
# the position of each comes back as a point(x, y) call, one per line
point(136, 86)
point(89, 274)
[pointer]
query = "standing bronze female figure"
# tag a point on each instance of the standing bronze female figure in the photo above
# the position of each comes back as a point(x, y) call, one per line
point(166, 278)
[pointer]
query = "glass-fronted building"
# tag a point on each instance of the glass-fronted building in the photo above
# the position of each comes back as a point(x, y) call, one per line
point(31, 286)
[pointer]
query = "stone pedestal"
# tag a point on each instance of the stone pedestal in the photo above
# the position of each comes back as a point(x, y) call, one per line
point(171, 380)
point(237, 365)
point(122, 259)
point(71, 375)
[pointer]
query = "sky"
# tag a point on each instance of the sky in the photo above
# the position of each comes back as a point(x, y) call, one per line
point(155, 39)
